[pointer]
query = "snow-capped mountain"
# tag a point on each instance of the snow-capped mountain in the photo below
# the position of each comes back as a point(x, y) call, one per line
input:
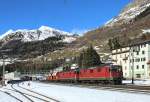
point(133, 21)
point(26, 43)
point(36, 34)
point(131, 11)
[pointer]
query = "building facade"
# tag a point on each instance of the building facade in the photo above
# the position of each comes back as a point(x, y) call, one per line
point(134, 59)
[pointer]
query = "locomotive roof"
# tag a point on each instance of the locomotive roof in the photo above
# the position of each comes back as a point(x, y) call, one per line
point(102, 65)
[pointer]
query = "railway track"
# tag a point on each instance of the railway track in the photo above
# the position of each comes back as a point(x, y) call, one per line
point(25, 95)
point(29, 95)
point(21, 93)
point(9, 94)
point(38, 95)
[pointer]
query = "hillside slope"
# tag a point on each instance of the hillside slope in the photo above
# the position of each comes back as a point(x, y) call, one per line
point(129, 24)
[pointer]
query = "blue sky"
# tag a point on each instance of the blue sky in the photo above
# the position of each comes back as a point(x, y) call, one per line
point(67, 15)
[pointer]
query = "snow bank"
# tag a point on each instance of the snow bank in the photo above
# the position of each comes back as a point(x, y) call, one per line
point(145, 82)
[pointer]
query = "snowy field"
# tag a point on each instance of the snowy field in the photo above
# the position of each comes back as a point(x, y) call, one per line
point(71, 94)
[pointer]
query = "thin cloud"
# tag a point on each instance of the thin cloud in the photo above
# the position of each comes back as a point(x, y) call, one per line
point(79, 31)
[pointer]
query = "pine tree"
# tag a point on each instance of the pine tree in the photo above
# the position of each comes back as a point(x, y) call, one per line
point(89, 58)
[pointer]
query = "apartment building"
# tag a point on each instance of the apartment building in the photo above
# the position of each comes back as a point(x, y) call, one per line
point(134, 59)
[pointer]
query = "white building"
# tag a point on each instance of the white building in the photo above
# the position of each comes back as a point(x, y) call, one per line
point(136, 56)
point(121, 57)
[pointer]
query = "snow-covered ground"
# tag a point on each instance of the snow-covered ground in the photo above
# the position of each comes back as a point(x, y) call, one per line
point(145, 82)
point(72, 94)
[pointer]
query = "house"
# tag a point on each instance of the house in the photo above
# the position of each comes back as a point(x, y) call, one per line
point(136, 56)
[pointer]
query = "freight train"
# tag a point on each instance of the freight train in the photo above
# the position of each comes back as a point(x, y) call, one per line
point(106, 74)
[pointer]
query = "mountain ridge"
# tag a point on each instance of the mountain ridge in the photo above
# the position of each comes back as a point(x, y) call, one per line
point(26, 43)
point(124, 30)
point(34, 34)
point(132, 10)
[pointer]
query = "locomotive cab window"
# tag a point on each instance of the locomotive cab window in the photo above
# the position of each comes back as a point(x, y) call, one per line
point(113, 69)
point(116, 68)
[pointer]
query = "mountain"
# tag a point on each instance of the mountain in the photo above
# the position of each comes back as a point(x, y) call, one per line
point(131, 23)
point(35, 35)
point(130, 12)
point(32, 43)
point(51, 44)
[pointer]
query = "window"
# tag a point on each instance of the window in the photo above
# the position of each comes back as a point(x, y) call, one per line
point(133, 60)
point(138, 75)
point(137, 53)
point(137, 60)
point(130, 60)
point(137, 67)
point(144, 59)
point(143, 52)
point(142, 66)
point(144, 45)
point(120, 56)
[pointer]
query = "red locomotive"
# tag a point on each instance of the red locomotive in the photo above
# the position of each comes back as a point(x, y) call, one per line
point(101, 74)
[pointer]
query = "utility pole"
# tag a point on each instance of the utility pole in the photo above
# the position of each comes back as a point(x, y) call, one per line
point(132, 66)
point(134, 49)
point(131, 60)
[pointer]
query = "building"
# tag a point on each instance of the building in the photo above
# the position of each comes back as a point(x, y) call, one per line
point(136, 56)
